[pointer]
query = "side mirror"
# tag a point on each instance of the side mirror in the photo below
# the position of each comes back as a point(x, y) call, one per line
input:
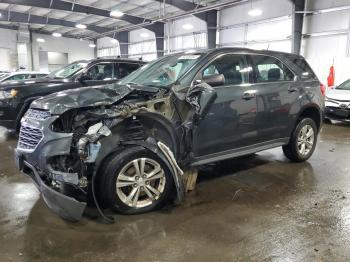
point(214, 80)
point(201, 97)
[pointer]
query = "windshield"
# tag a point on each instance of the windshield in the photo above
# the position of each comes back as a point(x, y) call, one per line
point(163, 72)
point(67, 71)
point(344, 86)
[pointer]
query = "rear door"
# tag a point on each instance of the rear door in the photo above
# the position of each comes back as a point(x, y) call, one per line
point(125, 69)
point(230, 124)
point(277, 90)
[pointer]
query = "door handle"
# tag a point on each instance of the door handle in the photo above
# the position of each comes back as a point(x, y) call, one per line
point(292, 89)
point(248, 95)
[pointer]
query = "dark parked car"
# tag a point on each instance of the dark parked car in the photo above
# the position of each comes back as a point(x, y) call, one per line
point(16, 96)
point(128, 145)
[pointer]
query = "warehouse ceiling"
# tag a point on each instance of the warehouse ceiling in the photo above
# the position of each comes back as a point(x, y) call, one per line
point(51, 16)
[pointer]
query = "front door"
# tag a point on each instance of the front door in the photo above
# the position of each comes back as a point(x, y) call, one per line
point(100, 74)
point(230, 122)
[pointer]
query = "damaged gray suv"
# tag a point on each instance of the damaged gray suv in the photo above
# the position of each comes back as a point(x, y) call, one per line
point(127, 146)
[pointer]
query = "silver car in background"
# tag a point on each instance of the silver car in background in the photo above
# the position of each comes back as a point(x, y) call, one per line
point(338, 102)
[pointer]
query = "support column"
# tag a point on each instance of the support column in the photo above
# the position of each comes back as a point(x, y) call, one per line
point(212, 24)
point(158, 29)
point(123, 38)
point(298, 20)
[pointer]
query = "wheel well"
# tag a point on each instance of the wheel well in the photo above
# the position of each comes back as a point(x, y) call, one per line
point(313, 113)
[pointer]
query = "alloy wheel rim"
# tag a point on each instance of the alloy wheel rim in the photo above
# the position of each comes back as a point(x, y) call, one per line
point(140, 182)
point(306, 140)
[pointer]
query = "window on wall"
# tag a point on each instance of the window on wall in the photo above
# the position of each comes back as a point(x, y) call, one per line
point(270, 69)
point(186, 42)
point(110, 51)
point(146, 50)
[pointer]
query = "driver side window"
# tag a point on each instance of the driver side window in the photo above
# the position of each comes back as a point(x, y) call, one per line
point(230, 66)
point(100, 72)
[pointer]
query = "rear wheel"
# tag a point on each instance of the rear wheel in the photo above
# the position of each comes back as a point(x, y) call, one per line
point(302, 142)
point(136, 181)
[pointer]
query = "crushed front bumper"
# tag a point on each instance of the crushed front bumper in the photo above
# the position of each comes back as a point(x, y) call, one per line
point(66, 207)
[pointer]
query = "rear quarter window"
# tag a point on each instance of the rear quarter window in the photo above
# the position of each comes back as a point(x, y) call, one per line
point(304, 67)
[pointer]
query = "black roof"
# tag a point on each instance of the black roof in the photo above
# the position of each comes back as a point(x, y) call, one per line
point(111, 59)
point(238, 50)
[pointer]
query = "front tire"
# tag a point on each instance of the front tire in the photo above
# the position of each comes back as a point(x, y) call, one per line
point(135, 181)
point(303, 141)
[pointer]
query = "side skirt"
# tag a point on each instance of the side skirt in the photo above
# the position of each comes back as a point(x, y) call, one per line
point(237, 152)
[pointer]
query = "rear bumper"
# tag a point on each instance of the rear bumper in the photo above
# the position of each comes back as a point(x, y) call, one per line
point(66, 207)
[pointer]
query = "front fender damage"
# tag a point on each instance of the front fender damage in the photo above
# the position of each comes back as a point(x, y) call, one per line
point(89, 148)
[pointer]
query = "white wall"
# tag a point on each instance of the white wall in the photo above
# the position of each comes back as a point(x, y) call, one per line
point(181, 39)
point(8, 49)
point(76, 49)
point(329, 41)
point(272, 30)
point(142, 44)
point(105, 47)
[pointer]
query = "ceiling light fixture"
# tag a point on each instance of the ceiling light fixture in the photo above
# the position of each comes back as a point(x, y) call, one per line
point(116, 13)
point(56, 34)
point(80, 26)
point(40, 40)
point(92, 45)
point(187, 26)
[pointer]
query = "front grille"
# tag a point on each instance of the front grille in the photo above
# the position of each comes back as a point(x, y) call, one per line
point(29, 137)
point(37, 114)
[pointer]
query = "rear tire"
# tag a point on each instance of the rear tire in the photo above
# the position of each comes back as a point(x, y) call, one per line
point(303, 141)
point(127, 185)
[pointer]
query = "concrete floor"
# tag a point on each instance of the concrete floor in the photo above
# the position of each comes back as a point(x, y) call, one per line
point(262, 208)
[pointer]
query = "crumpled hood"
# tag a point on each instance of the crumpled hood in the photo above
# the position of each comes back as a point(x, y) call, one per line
point(339, 95)
point(58, 103)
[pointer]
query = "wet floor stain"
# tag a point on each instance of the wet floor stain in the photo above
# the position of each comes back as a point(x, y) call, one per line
point(256, 208)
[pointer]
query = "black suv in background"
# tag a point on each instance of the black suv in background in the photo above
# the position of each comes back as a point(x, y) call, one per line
point(15, 97)
point(128, 145)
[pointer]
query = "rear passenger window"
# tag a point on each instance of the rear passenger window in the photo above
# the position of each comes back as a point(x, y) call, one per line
point(230, 66)
point(269, 69)
point(125, 69)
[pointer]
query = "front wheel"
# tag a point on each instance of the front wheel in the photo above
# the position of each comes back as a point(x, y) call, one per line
point(303, 141)
point(136, 181)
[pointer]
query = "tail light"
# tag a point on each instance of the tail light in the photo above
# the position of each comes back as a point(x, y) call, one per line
point(323, 89)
